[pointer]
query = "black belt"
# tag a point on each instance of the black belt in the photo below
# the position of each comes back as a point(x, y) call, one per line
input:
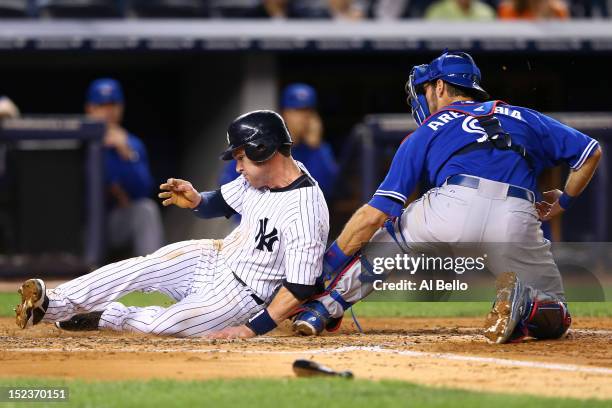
point(256, 298)
point(474, 182)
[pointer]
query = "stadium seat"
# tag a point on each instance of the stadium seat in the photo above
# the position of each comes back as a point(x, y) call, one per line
point(232, 8)
point(79, 8)
point(13, 8)
point(169, 8)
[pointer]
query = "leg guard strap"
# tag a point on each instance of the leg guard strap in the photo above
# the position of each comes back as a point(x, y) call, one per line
point(338, 298)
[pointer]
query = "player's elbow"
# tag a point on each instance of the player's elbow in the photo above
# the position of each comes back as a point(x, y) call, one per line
point(597, 155)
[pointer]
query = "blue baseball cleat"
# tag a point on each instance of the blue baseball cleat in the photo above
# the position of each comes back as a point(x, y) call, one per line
point(508, 309)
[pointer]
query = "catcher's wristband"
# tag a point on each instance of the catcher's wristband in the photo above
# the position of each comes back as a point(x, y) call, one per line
point(566, 200)
point(261, 323)
point(334, 257)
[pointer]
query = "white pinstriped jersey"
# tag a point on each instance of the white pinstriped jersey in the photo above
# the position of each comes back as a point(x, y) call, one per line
point(282, 234)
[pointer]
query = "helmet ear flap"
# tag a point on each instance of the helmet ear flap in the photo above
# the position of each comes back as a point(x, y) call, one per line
point(259, 151)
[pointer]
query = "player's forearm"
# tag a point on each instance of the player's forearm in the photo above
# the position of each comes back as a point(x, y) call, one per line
point(579, 179)
point(360, 228)
point(283, 305)
point(211, 205)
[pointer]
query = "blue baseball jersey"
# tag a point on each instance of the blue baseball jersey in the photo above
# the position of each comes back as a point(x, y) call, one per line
point(429, 153)
point(134, 177)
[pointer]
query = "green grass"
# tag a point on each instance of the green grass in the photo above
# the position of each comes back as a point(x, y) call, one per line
point(366, 308)
point(9, 300)
point(295, 393)
point(462, 309)
point(421, 309)
point(146, 299)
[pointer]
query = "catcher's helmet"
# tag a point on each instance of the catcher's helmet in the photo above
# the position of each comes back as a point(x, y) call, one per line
point(457, 68)
point(260, 132)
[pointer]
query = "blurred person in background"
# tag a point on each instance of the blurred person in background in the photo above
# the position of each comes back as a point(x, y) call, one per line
point(460, 10)
point(533, 9)
point(311, 9)
point(299, 109)
point(134, 218)
point(397, 9)
point(388, 9)
point(347, 9)
point(7, 108)
point(278, 9)
point(298, 104)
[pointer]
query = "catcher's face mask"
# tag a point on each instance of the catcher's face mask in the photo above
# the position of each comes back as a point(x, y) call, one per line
point(416, 93)
point(457, 68)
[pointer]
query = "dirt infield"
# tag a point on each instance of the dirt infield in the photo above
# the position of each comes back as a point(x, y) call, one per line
point(437, 352)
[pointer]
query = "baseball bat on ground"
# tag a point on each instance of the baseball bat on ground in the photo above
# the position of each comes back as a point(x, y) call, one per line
point(308, 368)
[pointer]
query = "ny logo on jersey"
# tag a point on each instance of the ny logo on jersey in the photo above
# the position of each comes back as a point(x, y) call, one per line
point(265, 240)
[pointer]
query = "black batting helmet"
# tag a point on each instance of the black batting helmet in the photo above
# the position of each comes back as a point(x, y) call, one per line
point(260, 132)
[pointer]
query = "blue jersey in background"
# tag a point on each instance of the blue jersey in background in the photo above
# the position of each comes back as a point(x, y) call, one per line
point(134, 176)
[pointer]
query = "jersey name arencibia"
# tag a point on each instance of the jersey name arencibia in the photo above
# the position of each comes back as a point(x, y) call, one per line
point(282, 234)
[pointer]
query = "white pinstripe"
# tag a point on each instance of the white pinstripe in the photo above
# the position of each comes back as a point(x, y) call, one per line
point(191, 272)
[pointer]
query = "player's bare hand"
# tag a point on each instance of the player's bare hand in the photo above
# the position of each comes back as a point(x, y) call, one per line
point(543, 208)
point(549, 208)
point(117, 138)
point(180, 193)
point(235, 332)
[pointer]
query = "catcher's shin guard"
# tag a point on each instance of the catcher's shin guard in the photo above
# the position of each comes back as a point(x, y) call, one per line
point(313, 318)
point(544, 320)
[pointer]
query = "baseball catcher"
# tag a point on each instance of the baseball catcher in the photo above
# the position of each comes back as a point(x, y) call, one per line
point(483, 158)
